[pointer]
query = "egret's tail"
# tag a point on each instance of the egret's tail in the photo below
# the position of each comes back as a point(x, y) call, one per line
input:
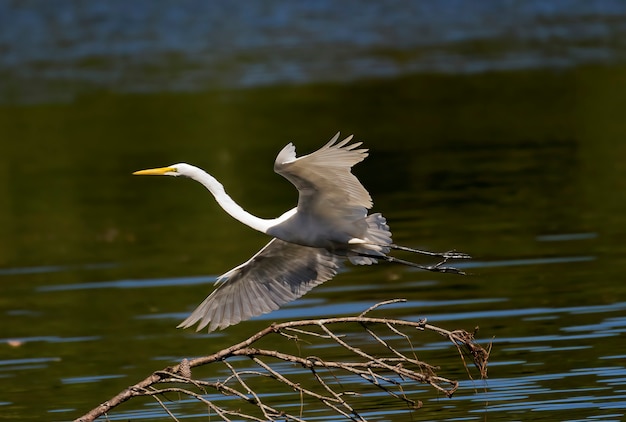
point(378, 243)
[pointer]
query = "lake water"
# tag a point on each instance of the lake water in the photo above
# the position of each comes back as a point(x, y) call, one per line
point(497, 130)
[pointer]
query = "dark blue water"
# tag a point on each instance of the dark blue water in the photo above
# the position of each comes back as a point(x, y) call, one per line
point(56, 50)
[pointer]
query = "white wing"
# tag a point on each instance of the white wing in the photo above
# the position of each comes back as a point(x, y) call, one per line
point(323, 178)
point(279, 273)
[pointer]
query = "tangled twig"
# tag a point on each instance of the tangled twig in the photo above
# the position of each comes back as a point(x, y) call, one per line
point(390, 366)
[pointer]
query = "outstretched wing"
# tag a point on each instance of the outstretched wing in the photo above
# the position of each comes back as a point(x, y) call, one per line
point(323, 178)
point(277, 274)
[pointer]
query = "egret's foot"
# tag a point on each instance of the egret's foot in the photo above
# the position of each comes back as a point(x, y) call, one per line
point(438, 268)
point(455, 255)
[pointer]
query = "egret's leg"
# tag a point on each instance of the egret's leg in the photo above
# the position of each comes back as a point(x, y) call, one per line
point(445, 255)
point(435, 268)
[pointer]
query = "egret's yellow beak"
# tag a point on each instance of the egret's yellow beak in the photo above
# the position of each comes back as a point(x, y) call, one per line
point(155, 172)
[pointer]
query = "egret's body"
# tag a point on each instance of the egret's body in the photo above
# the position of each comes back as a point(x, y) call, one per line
point(330, 223)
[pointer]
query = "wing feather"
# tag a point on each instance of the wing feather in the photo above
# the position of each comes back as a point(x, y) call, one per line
point(279, 273)
point(324, 179)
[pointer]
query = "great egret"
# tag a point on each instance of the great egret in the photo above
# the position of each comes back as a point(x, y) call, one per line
point(330, 223)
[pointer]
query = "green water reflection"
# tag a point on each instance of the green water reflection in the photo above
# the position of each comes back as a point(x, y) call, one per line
point(483, 163)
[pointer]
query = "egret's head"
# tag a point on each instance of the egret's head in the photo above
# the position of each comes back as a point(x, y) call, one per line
point(181, 169)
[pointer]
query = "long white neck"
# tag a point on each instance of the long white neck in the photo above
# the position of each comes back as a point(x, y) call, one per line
point(227, 203)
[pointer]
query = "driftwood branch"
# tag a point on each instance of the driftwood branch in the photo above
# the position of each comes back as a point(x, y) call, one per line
point(385, 358)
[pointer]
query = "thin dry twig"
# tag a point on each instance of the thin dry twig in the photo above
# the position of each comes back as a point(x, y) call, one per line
point(382, 362)
point(379, 304)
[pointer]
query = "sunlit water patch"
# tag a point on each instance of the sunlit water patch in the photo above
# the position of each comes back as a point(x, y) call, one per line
point(55, 53)
point(89, 379)
point(130, 284)
point(54, 269)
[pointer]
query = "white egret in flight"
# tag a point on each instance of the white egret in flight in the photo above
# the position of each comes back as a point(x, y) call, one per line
point(329, 224)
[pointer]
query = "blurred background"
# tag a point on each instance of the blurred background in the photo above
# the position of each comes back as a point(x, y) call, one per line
point(495, 128)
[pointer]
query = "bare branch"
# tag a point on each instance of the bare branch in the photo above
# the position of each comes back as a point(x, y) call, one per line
point(388, 362)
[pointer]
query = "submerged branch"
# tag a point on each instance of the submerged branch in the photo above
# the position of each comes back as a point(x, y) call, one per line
point(385, 359)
